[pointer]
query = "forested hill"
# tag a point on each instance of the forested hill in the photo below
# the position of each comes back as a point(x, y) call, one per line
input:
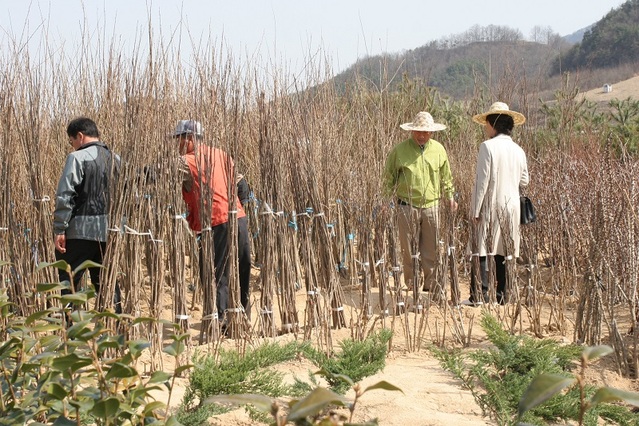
point(460, 65)
point(456, 65)
point(611, 42)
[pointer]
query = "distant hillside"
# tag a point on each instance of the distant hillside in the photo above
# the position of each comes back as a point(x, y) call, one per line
point(620, 90)
point(497, 58)
point(611, 42)
point(458, 71)
point(577, 36)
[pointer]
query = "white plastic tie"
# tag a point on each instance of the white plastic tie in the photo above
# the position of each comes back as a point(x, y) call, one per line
point(379, 262)
point(338, 309)
point(266, 311)
point(212, 316)
point(4, 229)
point(509, 257)
point(267, 209)
point(415, 256)
point(451, 249)
point(396, 269)
point(365, 265)
point(42, 200)
point(132, 231)
point(400, 303)
point(182, 317)
point(235, 310)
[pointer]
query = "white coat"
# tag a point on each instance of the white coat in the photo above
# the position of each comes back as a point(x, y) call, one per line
point(501, 170)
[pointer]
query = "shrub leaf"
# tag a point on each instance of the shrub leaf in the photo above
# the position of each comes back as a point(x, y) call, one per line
point(121, 371)
point(313, 403)
point(541, 389)
point(611, 394)
point(85, 265)
point(60, 264)
point(159, 377)
point(383, 385)
point(593, 352)
point(106, 408)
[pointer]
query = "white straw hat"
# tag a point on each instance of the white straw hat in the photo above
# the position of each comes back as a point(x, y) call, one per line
point(423, 122)
point(500, 108)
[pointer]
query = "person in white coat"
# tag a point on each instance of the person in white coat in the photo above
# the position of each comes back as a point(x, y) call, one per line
point(494, 210)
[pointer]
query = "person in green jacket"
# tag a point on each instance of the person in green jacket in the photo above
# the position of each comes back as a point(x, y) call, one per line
point(417, 176)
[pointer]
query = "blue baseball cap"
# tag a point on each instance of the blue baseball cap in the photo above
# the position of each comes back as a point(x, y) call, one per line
point(191, 127)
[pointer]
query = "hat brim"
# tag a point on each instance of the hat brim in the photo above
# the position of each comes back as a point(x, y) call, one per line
point(518, 118)
point(178, 134)
point(435, 127)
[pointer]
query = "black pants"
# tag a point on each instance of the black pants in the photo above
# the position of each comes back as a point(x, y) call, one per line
point(79, 251)
point(500, 272)
point(221, 264)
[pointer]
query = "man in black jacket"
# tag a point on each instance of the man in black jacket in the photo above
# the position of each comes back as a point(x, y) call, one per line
point(80, 219)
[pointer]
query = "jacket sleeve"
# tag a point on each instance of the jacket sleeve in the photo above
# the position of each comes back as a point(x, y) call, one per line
point(65, 195)
point(389, 178)
point(482, 179)
point(447, 179)
point(525, 177)
point(243, 190)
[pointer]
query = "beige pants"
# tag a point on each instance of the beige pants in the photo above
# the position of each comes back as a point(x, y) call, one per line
point(419, 233)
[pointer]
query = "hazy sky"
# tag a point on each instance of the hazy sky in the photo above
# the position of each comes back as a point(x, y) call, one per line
point(290, 31)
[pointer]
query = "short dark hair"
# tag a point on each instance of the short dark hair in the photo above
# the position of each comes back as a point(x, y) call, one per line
point(502, 123)
point(84, 125)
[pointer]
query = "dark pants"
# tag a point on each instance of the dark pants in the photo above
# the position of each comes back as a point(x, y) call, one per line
point(79, 251)
point(500, 272)
point(221, 264)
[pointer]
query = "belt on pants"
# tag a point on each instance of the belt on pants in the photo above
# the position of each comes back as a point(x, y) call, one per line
point(405, 203)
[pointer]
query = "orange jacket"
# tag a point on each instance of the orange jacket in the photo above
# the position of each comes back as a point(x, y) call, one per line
point(209, 168)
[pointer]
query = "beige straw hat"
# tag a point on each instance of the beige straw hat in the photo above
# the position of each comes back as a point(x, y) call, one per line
point(423, 122)
point(500, 108)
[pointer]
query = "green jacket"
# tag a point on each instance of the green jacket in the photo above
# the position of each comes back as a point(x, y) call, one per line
point(418, 175)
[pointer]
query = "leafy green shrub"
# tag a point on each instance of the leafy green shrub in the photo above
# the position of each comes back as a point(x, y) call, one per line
point(499, 376)
point(590, 402)
point(357, 360)
point(309, 410)
point(233, 374)
point(55, 373)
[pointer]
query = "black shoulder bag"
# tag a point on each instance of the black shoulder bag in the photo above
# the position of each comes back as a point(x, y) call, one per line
point(527, 210)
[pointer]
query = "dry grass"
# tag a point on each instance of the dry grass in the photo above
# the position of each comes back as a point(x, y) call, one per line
point(314, 160)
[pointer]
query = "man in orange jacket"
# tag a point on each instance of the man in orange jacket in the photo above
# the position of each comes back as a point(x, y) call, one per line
point(207, 174)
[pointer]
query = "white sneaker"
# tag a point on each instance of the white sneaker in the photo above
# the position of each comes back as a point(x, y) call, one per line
point(467, 302)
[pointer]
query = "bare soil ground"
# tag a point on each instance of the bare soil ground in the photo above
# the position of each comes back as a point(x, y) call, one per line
point(431, 396)
point(621, 90)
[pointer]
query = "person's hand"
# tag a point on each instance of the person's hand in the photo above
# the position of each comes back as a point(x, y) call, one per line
point(60, 241)
point(453, 205)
